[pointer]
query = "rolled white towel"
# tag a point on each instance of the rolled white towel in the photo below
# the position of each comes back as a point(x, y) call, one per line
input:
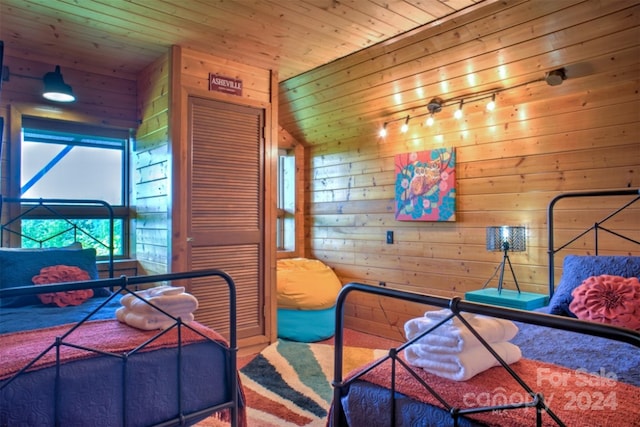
point(170, 299)
point(149, 322)
point(439, 315)
point(464, 365)
point(164, 290)
point(455, 338)
point(172, 304)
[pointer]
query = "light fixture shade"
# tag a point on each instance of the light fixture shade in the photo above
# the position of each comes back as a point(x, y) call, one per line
point(55, 89)
point(505, 237)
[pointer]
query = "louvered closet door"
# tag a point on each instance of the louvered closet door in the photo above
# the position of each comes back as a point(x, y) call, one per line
point(226, 210)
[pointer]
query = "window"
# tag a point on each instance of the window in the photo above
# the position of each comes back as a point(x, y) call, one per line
point(285, 223)
point(64, 160)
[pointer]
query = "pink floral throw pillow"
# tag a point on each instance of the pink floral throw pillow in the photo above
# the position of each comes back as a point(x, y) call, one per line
point(62, 274)
point(608, 299)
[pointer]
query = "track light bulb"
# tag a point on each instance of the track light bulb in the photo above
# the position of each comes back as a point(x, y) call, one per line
point(430, 120)
point(458, 113)
point(383, 131)
point(405, 126)
point(491, 105)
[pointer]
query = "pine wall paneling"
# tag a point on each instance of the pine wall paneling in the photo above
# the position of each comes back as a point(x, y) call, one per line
point(540, 141)
point(151, 165)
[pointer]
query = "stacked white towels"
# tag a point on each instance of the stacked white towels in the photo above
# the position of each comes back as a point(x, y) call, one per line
point(173, 300)
point(452, 351)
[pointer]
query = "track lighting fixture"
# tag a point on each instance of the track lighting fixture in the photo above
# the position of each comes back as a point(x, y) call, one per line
point(383, 131)
point(491, 105)
point(555, 77)
point(458, 113)
point(430, 120)
point(405, 126)
point(435, 105)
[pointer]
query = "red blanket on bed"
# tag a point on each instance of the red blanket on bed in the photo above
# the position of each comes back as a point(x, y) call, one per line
point(578, 398)
point(18, 349)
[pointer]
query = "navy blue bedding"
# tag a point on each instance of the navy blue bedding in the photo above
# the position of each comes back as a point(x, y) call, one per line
point(368, 404)
point(141, 390)
point(107, 391)
point(579, 351)
point(15, 319)
point(93, 392)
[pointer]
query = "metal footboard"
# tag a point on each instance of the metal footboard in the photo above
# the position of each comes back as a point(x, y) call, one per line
point(458, 306)
point(124, 285)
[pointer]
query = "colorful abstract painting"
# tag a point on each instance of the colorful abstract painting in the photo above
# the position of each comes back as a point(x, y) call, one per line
point(425, 185)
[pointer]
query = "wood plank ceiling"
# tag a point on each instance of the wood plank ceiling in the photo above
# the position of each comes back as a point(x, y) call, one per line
point(121, 37)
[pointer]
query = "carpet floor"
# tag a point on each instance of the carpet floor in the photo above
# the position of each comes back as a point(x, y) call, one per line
point(288, 384)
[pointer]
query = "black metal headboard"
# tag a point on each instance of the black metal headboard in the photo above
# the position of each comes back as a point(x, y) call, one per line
point(596, 228)
point(14, 210)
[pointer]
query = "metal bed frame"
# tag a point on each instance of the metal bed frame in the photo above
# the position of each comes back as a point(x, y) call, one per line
point(458, 306)
point(16, 209)
point(124, 284)
point(597, 226)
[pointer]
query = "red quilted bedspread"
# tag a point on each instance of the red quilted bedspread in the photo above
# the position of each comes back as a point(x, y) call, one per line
point(18, 349)
point(577, 397)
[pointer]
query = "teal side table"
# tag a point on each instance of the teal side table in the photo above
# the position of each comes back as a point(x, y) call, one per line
point(508, 298)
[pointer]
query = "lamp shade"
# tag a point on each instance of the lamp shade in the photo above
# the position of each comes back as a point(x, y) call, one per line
point(506, 237)
point(55, 89)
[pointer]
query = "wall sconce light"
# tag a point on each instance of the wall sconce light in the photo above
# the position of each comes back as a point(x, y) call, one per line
point(54, 87)
point(505, 238)
point(435, 105)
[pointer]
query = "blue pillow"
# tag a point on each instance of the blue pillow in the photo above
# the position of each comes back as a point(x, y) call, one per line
point(18, 266)
point(577, 268)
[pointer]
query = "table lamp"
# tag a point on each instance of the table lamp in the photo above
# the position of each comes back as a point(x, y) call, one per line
point(505, 238)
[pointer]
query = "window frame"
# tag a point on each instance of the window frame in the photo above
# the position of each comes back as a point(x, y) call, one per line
point(285, 201)
point(294, 213)
point(12, 179)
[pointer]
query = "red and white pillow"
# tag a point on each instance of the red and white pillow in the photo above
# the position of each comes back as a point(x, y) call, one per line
point(613, 300)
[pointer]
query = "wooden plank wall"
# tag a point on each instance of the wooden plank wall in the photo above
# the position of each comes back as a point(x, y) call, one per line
point(540, 141)
point(102, 100)
point(151, 169)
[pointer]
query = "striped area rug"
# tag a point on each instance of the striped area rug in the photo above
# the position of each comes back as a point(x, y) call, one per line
point(289, 383)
